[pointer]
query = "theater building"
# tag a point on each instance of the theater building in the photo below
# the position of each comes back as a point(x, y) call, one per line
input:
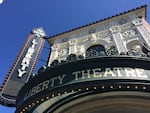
point(101, 67)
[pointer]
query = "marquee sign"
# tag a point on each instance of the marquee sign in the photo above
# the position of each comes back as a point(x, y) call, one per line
point(24, 65)
point(89, 75)
point(84, 74)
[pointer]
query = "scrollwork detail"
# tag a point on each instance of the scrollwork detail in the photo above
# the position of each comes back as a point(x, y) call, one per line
point(128, 33)
point(114, 29)
point(137, 21)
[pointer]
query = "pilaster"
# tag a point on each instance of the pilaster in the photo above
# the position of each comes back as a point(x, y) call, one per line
point(72, 46)
point(118, 39)
point(142, 30)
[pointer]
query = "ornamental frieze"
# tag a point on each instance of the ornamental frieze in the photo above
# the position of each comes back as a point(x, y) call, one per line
point(114, 29)
point(137, 21)
point(129, 33)
point(63, 52)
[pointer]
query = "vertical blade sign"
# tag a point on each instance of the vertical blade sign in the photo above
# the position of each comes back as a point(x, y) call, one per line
point(23, 67)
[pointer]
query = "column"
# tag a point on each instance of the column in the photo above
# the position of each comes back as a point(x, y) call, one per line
point(53, 54)
point(138, 22)
point(118, 39)
point(72, 46)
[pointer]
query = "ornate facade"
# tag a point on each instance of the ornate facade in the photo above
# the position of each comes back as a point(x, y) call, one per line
point(102, 67)
point(124, 33)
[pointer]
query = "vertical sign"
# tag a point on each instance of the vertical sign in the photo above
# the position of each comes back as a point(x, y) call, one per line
point(23, 66)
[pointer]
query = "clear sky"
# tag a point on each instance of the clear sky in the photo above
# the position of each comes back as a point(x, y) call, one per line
point(19, 17)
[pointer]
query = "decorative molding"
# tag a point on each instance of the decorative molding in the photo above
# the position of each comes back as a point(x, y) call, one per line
point(72, 42)
point(145, 34)
point(137, 21)
point(62, 52)
point(129, 33)
point(123, 21)
point(92, 31)
point(114, 29)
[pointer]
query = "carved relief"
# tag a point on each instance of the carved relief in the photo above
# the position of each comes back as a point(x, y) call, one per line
point(89, 38)
point(114, 29)
point(93, 37)
point(71, 42)
point(98, 35)
point(144, 32)
point(137, 21)
point(126, 26)
point(92, 31)
point(109, 39)
point(129, 33)
point(119, 42)
point(63, 52)
point(105, 33)
point(80, 49)
point(54, 47)
point(112, 50)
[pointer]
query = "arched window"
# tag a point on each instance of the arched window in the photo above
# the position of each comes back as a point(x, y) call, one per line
point(137, 48)
point(96, 50)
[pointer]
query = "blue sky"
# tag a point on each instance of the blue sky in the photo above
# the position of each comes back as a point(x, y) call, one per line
point(19, 17)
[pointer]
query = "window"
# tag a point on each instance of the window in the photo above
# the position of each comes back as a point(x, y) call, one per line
point(96, 50)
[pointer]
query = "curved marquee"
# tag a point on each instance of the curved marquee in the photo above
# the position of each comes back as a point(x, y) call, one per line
point(59, 85)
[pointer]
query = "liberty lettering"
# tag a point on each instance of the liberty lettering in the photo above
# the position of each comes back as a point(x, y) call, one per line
point(45, 85)
point(26, 60)
point(21, 72)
